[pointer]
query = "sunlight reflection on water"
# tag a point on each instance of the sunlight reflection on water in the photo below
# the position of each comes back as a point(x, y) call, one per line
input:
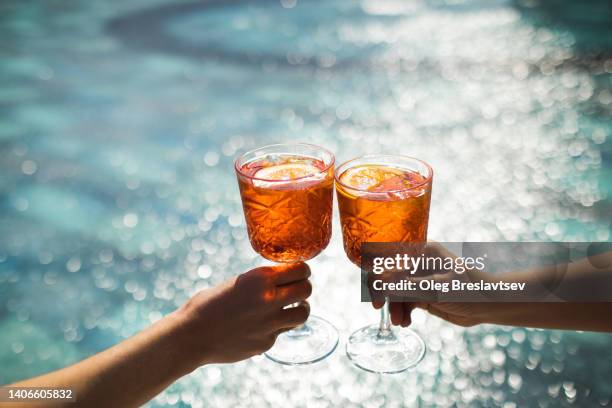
point(119, 200)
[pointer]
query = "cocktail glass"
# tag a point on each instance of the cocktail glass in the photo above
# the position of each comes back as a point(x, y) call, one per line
point(287, 195)
point(383, 198)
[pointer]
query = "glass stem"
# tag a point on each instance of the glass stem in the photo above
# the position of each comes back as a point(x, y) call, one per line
point(384, 330)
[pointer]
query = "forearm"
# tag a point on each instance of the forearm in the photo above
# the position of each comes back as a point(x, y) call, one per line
point(564, 316)
point(581, 280)
point(134, 371)
point(130, 373)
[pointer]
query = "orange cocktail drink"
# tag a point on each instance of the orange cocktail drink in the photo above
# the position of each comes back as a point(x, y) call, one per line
point(287, 202)
point(379, 203)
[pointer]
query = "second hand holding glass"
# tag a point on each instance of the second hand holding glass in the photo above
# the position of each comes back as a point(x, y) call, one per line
point(383, 198)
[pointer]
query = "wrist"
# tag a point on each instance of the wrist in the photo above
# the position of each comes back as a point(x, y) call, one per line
point(195, 342)
point(187, 345)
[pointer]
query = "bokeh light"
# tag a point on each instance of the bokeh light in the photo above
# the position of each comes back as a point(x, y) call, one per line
point(119, 122)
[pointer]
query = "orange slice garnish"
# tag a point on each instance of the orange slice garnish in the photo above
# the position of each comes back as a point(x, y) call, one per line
point(368, 177)
point(274, 174)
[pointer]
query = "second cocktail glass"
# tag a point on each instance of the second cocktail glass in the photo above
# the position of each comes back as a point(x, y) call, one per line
point(287, 195)
point(383, 198)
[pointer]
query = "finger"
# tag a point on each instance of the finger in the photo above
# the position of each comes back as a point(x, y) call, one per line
point(407, 320)
point(293, 292)
point(292, 316)
point(266, 344)
point(378, 303)
point(397, 313)
point(422, 305)
point(375, 297)
point(284, 274)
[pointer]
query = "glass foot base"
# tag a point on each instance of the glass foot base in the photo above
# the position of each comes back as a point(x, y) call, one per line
point(393, 353)
point(312, 342)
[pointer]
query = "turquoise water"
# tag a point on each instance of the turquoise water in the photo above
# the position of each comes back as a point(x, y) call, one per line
point(119, 122)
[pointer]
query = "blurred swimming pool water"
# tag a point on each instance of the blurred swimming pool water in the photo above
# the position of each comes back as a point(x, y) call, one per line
point(119, 123)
